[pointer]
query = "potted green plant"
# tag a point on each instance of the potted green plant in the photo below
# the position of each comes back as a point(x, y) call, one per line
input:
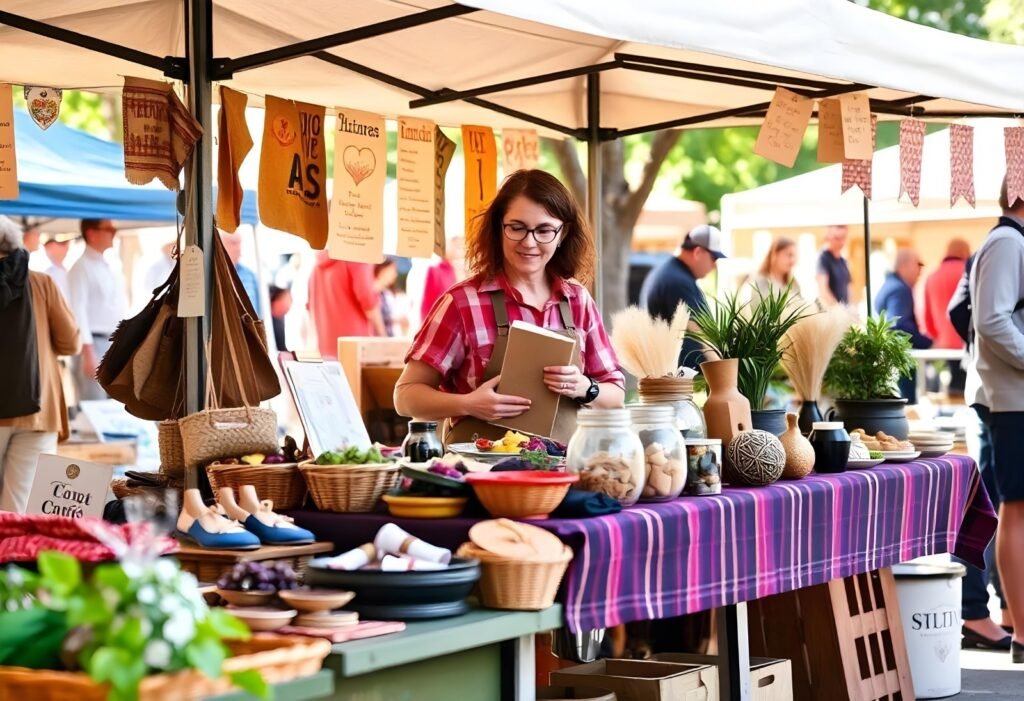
point(751, 334)
point(862, 377)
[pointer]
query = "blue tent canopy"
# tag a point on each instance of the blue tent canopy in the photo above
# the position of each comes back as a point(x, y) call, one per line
point(64, 173)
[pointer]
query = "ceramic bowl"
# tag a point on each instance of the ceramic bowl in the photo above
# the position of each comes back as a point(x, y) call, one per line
point(403, 506)
point(310, 600)
point(263, 618)
point(236, 597)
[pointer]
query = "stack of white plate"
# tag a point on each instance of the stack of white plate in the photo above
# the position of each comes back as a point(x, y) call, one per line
point(932, 444)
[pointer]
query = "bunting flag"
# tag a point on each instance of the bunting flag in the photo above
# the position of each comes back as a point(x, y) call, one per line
point(858, 172)
point(416, 187)
point(444, 151)
point(233, 145)
point(911, 146)
point(43, 105)
point(360, 171)
point(520, 149)
point(961, 163)
point(1014, 144)
point(481, 154)
point(8, 162)
point(159, 132)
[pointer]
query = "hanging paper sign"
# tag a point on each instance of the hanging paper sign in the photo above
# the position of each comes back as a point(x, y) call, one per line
point(233, 145)
point(357, 204)
point(43, 105)
point(292, 192)
point(961, 163)
point(416, 197)
point(520, 149)
point(67, 487)
point(858, 137)
point(8, 161)
point(830, 132)
point(782, 131)
point(192, 290)
point(911, 146)
point(1014, 144)
point(858, 172)
point(444, 150)
point(481, 153)
point(159, 132)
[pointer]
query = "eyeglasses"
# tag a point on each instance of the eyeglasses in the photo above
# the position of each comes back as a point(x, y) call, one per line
point(544, 233)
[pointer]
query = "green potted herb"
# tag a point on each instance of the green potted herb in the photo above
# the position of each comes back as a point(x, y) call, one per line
point(863, 374)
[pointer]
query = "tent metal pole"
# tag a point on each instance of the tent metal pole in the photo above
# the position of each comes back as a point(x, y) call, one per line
point(594, 178)
point(199, 187)
point(867, 257)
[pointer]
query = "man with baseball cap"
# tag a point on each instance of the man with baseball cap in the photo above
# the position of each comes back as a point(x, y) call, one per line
point(675, 281)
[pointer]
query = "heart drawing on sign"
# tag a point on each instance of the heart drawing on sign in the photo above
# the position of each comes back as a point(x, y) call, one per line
point(359, 162)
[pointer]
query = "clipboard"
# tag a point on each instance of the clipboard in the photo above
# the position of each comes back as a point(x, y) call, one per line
point(324, 402)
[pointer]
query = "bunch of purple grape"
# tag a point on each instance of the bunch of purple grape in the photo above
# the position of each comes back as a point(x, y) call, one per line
point(256, 576)
point(446, 471)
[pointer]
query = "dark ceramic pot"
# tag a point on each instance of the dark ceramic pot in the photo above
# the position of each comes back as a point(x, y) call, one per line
point(873, 415)
point(809, 414)
point(771, 420)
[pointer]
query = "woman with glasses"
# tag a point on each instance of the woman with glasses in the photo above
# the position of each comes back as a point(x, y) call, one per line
point(529, 258)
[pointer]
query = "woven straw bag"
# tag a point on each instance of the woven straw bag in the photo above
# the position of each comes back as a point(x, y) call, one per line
point(172, 452)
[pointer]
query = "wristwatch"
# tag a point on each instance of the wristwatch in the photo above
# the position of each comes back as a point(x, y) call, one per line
point(591, 393)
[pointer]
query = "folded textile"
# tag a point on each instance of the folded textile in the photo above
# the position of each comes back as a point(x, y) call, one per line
point(159, 132)
point(233, 144)
point(580, 504)
point(24, 536)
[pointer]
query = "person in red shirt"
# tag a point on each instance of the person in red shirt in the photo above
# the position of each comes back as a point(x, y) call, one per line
point(343, 301)
point(443, 274)
point(938, 290)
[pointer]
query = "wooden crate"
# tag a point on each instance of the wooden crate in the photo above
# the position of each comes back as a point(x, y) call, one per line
point(845, 639)
point(209, 565)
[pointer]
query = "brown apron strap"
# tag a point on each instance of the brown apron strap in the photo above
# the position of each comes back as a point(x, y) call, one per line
point(566, 313)
point(500, 311)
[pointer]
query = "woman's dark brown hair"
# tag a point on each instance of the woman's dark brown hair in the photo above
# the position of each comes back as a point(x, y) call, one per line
point(574, 258)
point(778, 246)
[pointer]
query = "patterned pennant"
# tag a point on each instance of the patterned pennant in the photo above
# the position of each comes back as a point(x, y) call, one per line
point(858, 172)
point(961, 163)
point(911, 146)
point(43, 105)
point(1014, 143)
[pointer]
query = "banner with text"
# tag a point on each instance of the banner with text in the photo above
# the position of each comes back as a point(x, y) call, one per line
point(444, 150)
point(520, 149)
point(357, 204)
point(481, 154)
point(8, 163)
point(416, 184)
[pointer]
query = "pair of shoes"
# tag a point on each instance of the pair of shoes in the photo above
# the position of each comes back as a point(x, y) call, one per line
point(1017, 652)
point(209, 529)
point(972, 640)
point(258, 517)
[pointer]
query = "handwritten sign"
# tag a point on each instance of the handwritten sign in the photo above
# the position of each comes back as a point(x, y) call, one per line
point(782, 132)
point(856, 111)
point(520, 149)
point(66, 487)
point(416, 197)
point(357, 204)
point(192, 296)
point(481, 153)
point(830, 132)
point(8, 162)
point(444, 150)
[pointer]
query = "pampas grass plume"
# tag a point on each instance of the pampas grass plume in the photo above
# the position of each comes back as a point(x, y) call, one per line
point(809, 348)
point(646, 346)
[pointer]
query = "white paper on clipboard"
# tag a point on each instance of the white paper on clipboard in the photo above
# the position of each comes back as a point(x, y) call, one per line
point(326, 406)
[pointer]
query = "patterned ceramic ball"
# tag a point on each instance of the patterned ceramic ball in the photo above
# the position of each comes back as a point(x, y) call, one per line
point(755, 458)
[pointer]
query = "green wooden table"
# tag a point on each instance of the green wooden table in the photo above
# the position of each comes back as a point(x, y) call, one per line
point(318, 686)
point(484, 655)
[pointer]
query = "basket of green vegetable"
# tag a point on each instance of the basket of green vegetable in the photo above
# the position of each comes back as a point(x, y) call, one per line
point(350, 480)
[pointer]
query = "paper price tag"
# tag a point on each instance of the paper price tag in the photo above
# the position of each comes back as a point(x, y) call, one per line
point(192, 292)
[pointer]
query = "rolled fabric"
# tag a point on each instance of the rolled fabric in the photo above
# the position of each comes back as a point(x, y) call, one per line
point(392, 563)
point(354, 559)
point(394, 540)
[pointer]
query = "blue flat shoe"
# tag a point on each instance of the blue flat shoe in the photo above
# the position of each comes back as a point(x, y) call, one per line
point(258, 517)
point(279, 533)
point(208, 529)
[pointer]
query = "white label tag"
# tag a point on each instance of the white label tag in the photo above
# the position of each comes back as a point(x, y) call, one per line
point(192, 295)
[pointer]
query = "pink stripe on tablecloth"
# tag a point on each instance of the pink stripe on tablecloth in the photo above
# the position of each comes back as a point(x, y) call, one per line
point(693, 560)
point(908, 511)
point(649, 559)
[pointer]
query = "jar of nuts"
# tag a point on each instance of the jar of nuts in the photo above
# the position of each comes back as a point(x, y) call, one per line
point(664, 450)
point(607, 454)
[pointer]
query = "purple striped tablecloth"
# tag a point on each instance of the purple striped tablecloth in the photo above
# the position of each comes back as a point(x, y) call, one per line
point(696, 553)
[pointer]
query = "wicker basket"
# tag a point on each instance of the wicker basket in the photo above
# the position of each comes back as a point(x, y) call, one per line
point(348, 488)
point(532, 501)
point(517, 584)
point(281, 484)
point(172, 451)
point(279, 658)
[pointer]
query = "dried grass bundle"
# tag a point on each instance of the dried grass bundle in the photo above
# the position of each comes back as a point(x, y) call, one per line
point(809, 348)
point(646, 346)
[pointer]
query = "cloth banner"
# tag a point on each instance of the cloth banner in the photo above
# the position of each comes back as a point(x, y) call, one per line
point(293, 163)
point(782, 132)
point(481, 153)
point(8, 161)
point(233, 145)
point(911, 146)
point(444, 150)
point(416, 184)
point(159, 132)
point(520, 149)
point(858, 172)
point(43, 105)
point(1014, 144)
point(961, 163)
point(357, 203)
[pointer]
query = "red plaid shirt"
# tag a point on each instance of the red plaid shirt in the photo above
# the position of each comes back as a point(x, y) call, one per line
point(457, 339)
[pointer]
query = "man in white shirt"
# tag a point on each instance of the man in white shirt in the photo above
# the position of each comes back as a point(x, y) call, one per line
point(99, 301)
point(56, 247)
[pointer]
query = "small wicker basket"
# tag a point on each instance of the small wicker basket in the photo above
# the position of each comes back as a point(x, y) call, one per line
point(528, 501)
point(282, 483)
point(348, 488)
point(172, 451)
point(519, 585)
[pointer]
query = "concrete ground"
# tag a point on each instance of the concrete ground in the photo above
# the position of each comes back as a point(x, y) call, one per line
point(990, 676)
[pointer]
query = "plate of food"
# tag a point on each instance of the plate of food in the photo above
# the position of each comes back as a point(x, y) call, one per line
point(883, 442)
point(511, 444)
point(863, 464)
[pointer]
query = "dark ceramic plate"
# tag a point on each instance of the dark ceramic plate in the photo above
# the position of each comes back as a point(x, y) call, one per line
point(434, 479)
point(410, 612)
point(377, 588)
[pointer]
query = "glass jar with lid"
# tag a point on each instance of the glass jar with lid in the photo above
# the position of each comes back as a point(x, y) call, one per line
point(422, 443)
point(607, 454)
point(677, 391)
point(664, 450)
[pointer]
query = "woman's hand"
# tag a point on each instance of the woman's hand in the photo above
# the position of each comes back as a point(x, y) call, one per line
point(566, 380)
point(485, 403)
